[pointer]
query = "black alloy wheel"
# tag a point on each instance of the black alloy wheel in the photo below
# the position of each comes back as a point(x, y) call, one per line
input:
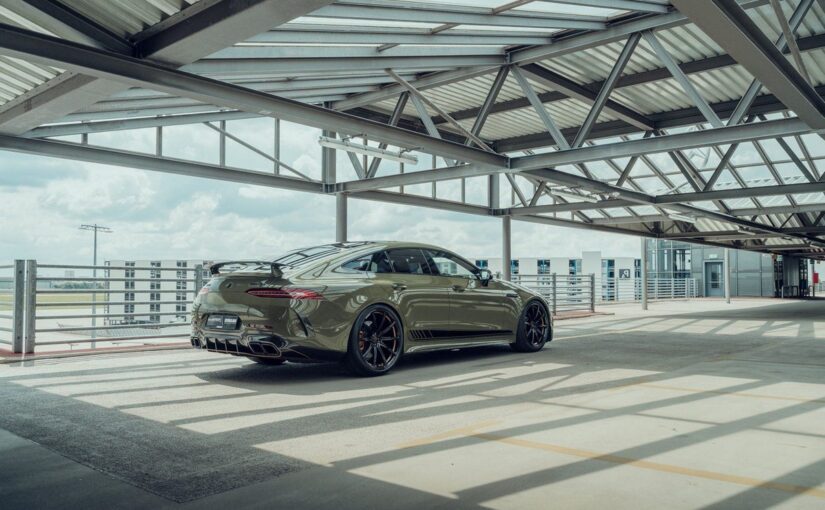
point(534, 328)
point(376, 341)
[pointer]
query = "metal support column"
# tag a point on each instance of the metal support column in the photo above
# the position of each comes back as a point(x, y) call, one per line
point(644, 274)
point(592, 292)
point(727, 275)
point(276, 150)
point(505, 248)
point(811, 278)
point(222, 145)
point(341, 218)
point(159, 141)
point(30, 307)
point(19, 307)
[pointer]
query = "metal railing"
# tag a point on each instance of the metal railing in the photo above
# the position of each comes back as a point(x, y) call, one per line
point(564, 293)
point(579, 292)
point(126, 305)
point(630, 289)
point(9, 308)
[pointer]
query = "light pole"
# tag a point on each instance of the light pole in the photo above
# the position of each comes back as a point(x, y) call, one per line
point(106, 230)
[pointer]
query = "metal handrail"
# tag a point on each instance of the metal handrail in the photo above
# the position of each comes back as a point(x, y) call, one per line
point(116, 268)
point(115, 326)
point(108, 279)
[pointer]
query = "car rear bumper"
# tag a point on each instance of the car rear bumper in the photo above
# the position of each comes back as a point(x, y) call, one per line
point(262, 346)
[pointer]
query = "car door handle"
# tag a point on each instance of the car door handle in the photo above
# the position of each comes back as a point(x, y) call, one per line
point(399, 286)
point(512, 295)
point(459, 288)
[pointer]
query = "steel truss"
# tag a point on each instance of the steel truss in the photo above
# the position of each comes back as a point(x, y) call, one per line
point(194, 73)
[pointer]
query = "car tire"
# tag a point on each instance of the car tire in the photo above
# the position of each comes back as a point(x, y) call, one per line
point(534, 328)
point(268, 361)
point(375, 342)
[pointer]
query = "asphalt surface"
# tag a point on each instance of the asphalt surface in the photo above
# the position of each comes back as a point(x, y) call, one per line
point(689, 405)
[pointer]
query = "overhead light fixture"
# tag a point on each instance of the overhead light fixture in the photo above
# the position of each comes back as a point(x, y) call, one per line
point(350, 146)
point(575, 196)
point(681, 217)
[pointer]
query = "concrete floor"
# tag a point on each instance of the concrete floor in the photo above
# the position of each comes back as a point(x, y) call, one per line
point(690, 405)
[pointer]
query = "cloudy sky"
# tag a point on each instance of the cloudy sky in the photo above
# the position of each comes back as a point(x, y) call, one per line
point(160, 216)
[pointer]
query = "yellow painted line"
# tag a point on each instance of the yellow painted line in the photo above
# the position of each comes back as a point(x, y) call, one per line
point(467, 431)
point(655, 466)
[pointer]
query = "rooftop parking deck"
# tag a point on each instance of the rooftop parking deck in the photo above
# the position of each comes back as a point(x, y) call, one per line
point(719, 407)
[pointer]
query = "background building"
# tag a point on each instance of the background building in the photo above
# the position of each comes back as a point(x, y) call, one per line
point(752, 273)
point(152, 291)
point(606, 271)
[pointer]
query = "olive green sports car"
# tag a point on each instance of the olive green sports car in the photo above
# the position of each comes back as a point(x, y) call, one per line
point(363, 303)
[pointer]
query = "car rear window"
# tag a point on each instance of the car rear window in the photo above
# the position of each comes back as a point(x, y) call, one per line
point(408, 261)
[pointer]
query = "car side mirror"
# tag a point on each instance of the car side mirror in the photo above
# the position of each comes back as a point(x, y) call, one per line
point(484, 275)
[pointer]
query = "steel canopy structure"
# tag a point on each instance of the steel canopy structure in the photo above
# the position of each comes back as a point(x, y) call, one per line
point(690, 119)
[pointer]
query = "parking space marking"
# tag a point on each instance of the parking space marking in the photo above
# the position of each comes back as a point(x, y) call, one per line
point(472, 432)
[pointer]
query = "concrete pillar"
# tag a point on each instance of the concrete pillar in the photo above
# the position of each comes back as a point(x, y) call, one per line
point(340, 218)
point(506, 254)
point(644, 274)
point(727, 275)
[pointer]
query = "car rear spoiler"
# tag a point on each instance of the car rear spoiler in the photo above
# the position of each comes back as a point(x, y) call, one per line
point(274, 267)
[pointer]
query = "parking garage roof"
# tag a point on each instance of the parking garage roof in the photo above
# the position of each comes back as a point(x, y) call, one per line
point(645, 117)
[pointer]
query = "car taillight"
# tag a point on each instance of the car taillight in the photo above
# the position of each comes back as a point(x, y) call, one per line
point(285, 293)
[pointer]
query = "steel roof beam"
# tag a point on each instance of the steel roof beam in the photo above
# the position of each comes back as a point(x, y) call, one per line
point(458, 15)
point(304, 33)
point(601, 100)
point(64, 22)
point(129, 71)
point(78, 152)
point(184, 37)
point(730, 27)
point(627, 5)
point(289, 67)
point(723, 135)
point(565, 87)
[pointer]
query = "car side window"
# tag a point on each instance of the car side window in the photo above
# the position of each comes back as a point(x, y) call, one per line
point(447, 264)
point(373, 262)
point(408, 261)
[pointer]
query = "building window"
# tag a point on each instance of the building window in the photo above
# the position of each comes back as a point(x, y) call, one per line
point(130, 273)
point(154, 285)
point(154, 296)
point(154, 318)
point(154, 273)
point(154, 307)
point(514, 267)
point(608, 268)
point(129, 296)
point(482, 264)
point(181, 285)
point(575, 267)
point(129, 285)
point(637, 268)
point(128, 308)
point(543, 266)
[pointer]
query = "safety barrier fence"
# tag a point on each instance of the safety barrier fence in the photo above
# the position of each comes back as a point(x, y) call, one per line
point(564, 293)
point(583, 292)
point(62, 307)
point(9, 309)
